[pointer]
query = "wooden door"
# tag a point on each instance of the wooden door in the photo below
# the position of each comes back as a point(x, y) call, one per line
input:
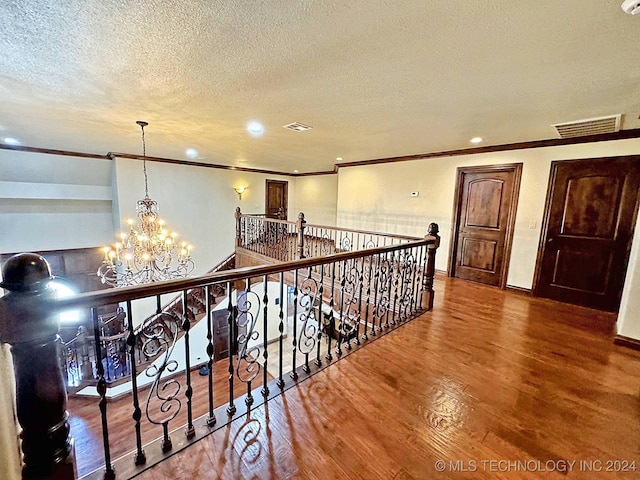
point(484, 215)
point(276, 199)
point(220, 319)
point(586, 238)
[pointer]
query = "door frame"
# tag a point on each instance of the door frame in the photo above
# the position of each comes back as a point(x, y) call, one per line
point(516, 168)
point(286, 195)
point(544, 232)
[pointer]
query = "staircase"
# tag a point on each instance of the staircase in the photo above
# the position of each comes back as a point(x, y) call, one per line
point(152, 337)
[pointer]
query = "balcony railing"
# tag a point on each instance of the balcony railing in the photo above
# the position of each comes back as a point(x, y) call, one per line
point(78, 355)
point(278, 325)
point(285, 240)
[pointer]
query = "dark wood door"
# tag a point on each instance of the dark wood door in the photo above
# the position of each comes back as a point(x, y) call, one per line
point(586, 239)
point(276, 199)
point(220, 319)
point(484, 215)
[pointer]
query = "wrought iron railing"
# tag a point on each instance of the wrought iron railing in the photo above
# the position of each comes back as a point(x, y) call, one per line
point(78, 358)
point(285, 240)
point(282, 323)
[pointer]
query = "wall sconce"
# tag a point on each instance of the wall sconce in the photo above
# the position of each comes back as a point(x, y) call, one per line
point(240, 191)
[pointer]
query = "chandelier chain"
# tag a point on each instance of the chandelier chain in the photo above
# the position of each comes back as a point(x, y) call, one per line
point(144, 162)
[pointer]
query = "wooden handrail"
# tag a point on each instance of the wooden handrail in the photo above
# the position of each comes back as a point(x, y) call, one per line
point(332, 227)
point(105, 297)
point(364, 232)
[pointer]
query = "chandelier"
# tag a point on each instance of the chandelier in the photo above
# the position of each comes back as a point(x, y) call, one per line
point(148, 252)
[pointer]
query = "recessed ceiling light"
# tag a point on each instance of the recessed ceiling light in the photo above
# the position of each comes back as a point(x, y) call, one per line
point(255, 128)
point(11, 141)
point(192, 153)
point(476, 140)
point(295, 171)
point(338, 159)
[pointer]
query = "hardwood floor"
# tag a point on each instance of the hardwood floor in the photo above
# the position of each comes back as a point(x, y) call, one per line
point(494, 384)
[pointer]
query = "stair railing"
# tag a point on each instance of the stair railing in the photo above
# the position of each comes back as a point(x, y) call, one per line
point(78, 355)
point(340, 302)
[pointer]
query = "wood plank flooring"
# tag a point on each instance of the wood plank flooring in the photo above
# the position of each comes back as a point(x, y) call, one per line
point(494, 384)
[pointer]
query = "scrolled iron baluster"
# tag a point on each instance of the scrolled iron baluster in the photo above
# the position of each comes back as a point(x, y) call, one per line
point(70, 364)
point(156, 344)
point(318, 360)
point(352, 277)
point(359, 310)
point(376, 281)
point(190, 430)
point(109, 473)
point(310, 325)
point(265, 338)
point(325, 245)
point(63, 360)
point(330, 326)
point(281, 332)
point(139, 457)
point(210, 351)
point(343, 281)
point(248, 366)
point(346, 244)
point(231, 409)
point(294, 340)
point(417, 279)
point(368, 298)
point(396, 286)
point(404, 263)
point(369, 244)
point(387, 286)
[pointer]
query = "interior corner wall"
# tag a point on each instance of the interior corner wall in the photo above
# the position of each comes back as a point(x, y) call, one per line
point(317, 198)
point(53, 202)
point(378, 197)
point(196, 202)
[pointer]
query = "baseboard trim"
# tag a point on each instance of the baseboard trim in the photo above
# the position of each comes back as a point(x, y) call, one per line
point(627, 342)
point(520, 290)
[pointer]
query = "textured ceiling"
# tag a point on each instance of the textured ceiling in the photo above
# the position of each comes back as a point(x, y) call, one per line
point(373, 78)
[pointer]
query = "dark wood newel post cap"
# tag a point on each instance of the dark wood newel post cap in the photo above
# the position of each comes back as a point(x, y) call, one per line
point(238, 212)
point(433, 231)
point(25, 313)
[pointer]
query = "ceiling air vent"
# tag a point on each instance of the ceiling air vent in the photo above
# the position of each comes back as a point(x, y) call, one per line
point(589, 126)
point(298, 127)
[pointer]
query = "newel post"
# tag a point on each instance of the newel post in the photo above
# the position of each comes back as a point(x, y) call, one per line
point(300, 224)
point(238, 227)
point(430, 268)
point(29, 326)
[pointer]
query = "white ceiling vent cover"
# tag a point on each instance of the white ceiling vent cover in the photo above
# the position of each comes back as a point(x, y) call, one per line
point(298, 127)
point(589, 126)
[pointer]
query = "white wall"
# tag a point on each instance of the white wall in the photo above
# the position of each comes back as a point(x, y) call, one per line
point(198, 203)
point(376, 197)
point(317, 197)
point(50, 202)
